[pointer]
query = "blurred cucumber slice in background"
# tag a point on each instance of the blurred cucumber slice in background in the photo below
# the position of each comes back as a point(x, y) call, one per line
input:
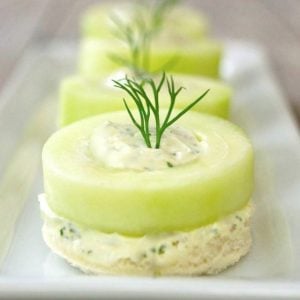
point(177, 56)
point(81, 97)
point(180, 20)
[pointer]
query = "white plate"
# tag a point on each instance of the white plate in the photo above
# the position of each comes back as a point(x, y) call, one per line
point(28, 268)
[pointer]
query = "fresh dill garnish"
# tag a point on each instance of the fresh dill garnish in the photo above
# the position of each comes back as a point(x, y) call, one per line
point(148, 106)
point(170, 165)
point(162, 249)
point(61, 231)
point(138, 35)
point(161, 8)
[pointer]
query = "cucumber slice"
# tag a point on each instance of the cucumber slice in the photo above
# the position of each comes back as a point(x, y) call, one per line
point(142, 202)
point(198, 57)
point(180, 21)
point(81, 97)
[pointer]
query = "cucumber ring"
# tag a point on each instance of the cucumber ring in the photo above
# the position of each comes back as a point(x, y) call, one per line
point(140, 202)
point(180, 21)
point(201, 57)
point(81, 97)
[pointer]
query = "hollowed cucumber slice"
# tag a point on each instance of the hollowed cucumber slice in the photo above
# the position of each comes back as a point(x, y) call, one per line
point(201, 57)
point(143, 202)
point(81, 97)
point(179, 21)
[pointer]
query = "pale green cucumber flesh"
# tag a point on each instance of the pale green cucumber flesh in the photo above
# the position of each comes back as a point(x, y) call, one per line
point(96, 22)
point(137, 203)
point(198, 58)
point(81, 98)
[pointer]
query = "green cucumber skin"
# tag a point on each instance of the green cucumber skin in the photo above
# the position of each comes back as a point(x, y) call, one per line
point(199, 58)
point(134, 203)
point(81, 98)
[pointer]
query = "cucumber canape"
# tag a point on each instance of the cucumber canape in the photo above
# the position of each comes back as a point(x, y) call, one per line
point(155, 38)
point(149, 196)
point(81, 97)
point(180, 20)
point(198, 57)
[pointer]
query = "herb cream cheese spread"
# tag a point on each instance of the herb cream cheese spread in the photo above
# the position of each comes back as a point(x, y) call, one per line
point(122, 146)
point(213, 247)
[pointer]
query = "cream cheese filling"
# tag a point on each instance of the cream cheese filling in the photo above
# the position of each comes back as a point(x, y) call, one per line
point(122, 146)
point(160, 250)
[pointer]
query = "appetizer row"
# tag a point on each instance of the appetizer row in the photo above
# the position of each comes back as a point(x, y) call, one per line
point(147, 176)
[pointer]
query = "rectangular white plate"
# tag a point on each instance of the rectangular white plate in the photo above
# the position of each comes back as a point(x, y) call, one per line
point(27, 117)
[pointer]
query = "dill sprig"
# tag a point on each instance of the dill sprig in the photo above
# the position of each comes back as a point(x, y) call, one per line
point(149, 107)
point(138, 35)
point(160, 10)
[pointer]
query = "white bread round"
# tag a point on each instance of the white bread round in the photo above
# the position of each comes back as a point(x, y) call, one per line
point(206, 250)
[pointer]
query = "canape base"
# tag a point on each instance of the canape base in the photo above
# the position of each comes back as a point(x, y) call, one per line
point(206, 250)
